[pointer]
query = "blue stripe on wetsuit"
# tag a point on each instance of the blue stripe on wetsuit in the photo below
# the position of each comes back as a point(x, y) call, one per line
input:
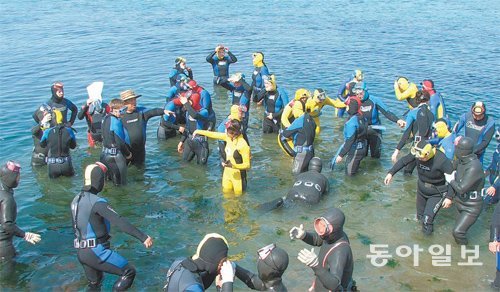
point(117, 127)
point(295, 125)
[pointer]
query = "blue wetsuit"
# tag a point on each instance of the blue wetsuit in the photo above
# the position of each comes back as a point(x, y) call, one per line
point(435, 103)
point(59, 140)
point(370, 107)
point(241, 95)
point(355, 144)
point(198, 146)
point(258, 75)
point(303, 132)
point(92, 216)
point(116, 146)
point(480, 131)
point(221, 67)
point(177, 73)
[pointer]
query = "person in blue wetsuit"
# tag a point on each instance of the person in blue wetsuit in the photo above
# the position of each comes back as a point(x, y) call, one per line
point(60, 103)
point(197, 118)
point(260, 72)
point(345, 89)
point(197, 273)
point(303, 132)
point(444, 139)
point(171, 123)
point(59, 140)
point(135, 120)
point(220, 59)
point(240, 94)
point(436, 101)
point(479, 126)
point(115, 143)
point(205, 102)
point(275, 100)
point(92, 216)
point(10, 174)
point(180, 70)
point(354, 147)
point(370, 107)
point(418, 126)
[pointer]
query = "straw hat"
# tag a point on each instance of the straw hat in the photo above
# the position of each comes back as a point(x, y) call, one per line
point(128, 94)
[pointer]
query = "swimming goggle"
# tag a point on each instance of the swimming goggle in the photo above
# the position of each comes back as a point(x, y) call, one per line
point(322, 226)
point(13, 166)
point(264, 252)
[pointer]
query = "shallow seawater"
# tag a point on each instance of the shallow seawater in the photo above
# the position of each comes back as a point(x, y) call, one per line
point(133, 44)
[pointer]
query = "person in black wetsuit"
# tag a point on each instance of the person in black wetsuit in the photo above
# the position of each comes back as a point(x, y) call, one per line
point(39, 154)
point(333, 266)
point(60, 103)
point(94, 112)
point(309, 187)
point(271, 265)
point(10, 174)
point(59, 140)
point(275, 99)
point(467, 182)
point(494, 245)
point(198, 272)
point(303, 131)
point(135, 120)
point(431, 186)
point(91, 217)
point(355, 143)
point(418, 126)
point(115, 144)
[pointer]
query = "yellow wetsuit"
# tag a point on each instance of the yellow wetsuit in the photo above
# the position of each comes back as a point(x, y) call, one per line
point(405, 90)
point(314, 106)
point(292, 110)
point(238, 152)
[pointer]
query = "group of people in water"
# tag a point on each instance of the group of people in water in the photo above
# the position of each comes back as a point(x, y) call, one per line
point(449, 167)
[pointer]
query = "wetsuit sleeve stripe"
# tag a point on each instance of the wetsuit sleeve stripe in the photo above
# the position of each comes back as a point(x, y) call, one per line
point(459, 125)
point(405, 136)
point(103, 209)
point(383, 109)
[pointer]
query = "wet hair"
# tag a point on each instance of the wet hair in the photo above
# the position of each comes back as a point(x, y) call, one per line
point(422, 96)
point(234, 127)
point(116, 104)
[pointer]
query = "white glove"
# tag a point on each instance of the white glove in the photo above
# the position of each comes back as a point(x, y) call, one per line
point(450, 177)
point(32, 238)
point(297, 232)
point(308, 257)
point(227, 272)
point(46, 119)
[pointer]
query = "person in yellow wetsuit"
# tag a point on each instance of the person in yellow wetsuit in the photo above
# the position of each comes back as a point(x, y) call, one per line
point(295, 108)
point(317, 102)
point(406, 90)
point(234, 177)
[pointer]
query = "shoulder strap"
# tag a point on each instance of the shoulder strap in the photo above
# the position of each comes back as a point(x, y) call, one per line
point(332, 249)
